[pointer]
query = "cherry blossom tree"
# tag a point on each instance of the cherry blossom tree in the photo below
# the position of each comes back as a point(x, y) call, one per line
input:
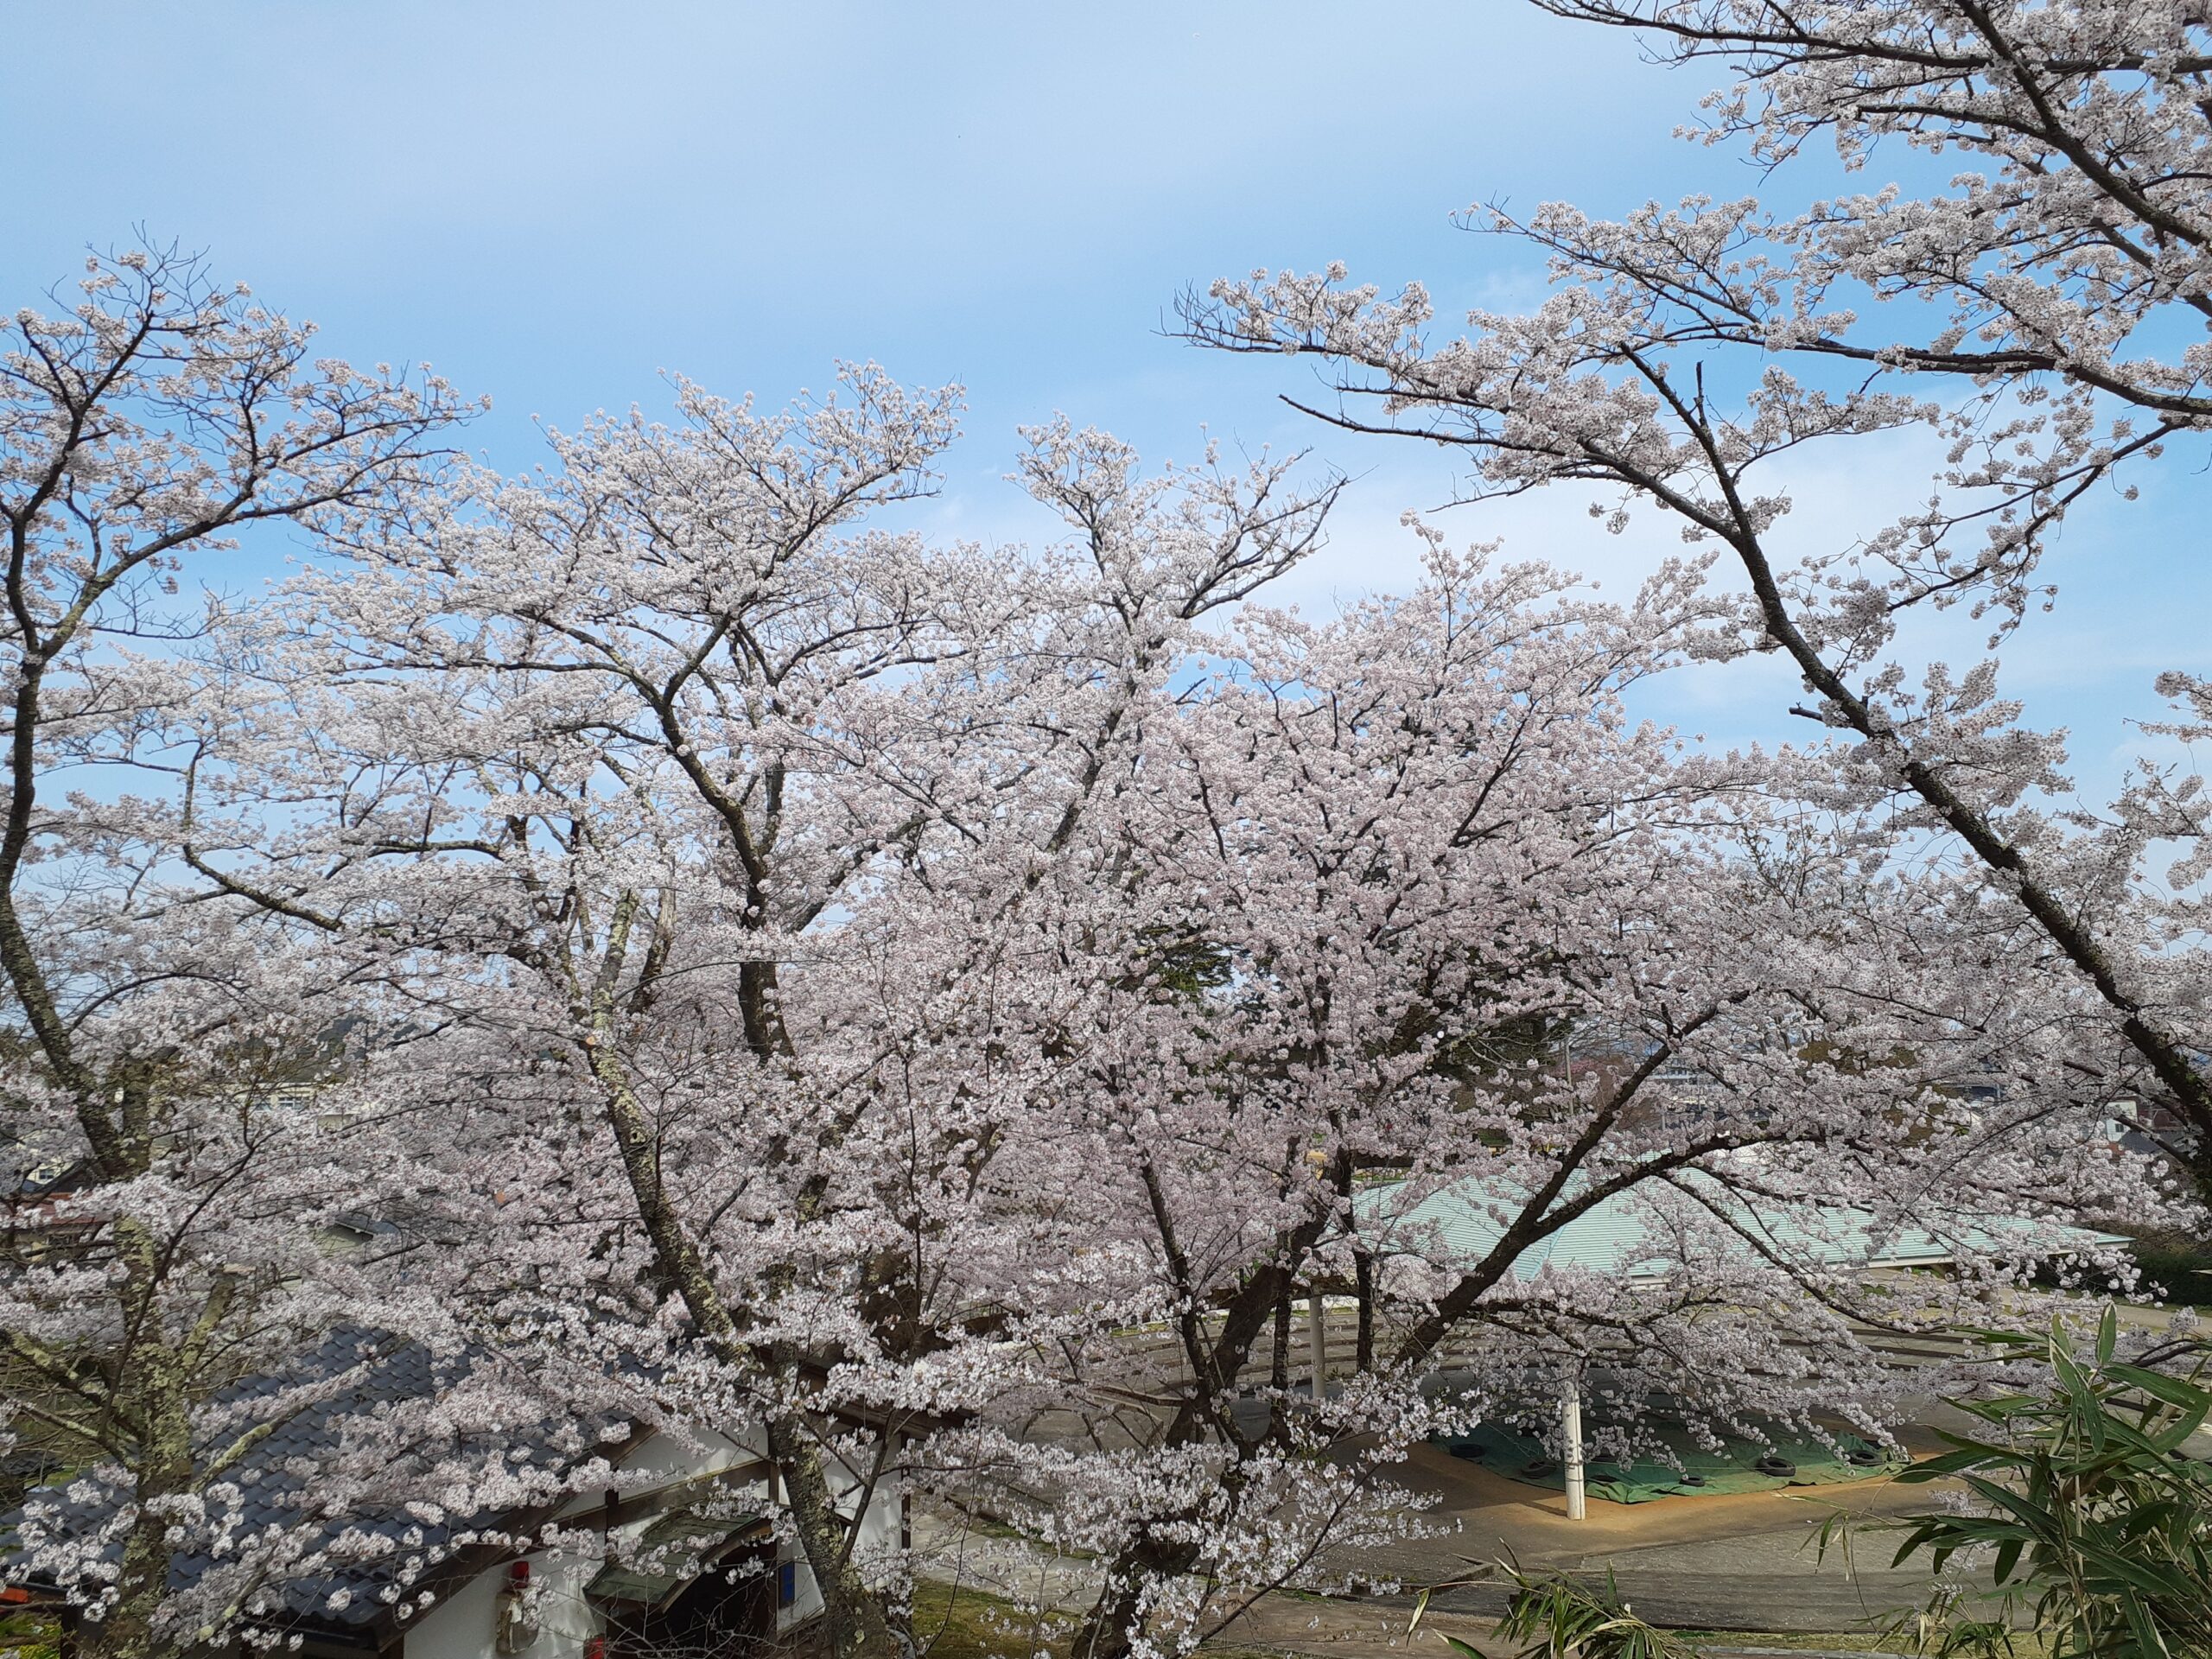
point(1344, 899)
point(876, 984)
point(677, 811)
point(937, 1006)
point(1689, 354)
point(171, 1213)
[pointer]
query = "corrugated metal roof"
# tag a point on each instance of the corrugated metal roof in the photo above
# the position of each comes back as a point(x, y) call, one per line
point(1630, 1235)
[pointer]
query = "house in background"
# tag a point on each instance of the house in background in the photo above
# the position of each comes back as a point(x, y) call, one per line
point(681, 1558)
point(687, 1564)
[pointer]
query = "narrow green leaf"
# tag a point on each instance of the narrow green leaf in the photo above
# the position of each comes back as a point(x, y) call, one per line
point(2008, 1557)
point(2171, 1389)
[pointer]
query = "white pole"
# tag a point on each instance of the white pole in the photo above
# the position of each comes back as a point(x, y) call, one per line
point(1570, 1417)
point(1317, 1344)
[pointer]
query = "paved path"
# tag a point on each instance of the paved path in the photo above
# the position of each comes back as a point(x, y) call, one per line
point(1348, 1630)
point(1333, 1629)
point(1735, 1561)
point(1744, 1561)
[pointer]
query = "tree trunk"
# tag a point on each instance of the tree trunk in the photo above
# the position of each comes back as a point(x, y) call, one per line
point(1279, 1359)
point(155, 1400)
point(1110, 1630)
point(858, 1627)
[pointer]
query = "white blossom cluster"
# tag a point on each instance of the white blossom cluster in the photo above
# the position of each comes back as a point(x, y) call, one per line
point(670, 952)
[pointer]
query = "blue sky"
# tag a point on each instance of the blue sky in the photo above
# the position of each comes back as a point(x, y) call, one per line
point(553, 203)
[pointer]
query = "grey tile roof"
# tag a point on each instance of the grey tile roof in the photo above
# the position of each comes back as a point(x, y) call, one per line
point(368, 1545)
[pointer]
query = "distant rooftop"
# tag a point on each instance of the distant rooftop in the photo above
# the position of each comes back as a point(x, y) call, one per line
point(1626, 1236)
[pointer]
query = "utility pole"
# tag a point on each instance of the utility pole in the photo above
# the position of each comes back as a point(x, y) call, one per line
point(1570, 1418)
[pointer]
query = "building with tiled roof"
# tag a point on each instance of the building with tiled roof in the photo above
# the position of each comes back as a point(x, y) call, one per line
point(680, 1556)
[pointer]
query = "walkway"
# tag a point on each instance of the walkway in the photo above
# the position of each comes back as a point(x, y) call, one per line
point(1744, 1561)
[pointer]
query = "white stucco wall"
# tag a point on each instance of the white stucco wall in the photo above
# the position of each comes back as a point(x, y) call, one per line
point(879, 1529)
point(466, 1625)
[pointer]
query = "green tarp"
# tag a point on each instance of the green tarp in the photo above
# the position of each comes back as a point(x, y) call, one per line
point(1735, 1468)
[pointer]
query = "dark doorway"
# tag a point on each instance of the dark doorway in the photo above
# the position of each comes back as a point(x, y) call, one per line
point(727, 1612)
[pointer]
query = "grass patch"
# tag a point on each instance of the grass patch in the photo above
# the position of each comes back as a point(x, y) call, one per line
point(977, 1524)
point(30, 1636)
point(961, 1622)
point(2181, 1263)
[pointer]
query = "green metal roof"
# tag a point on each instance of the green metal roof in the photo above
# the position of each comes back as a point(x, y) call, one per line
point(683, 1541)
point(1626, 1236)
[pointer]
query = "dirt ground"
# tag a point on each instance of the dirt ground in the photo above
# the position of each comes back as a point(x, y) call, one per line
point(1724, 1562)
point(1707, 1562)
point(1740, 1562)
point(1747, 1561)
point(1350, 1630)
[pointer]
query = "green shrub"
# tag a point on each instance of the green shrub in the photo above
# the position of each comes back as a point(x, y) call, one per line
point(2097, 1528)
